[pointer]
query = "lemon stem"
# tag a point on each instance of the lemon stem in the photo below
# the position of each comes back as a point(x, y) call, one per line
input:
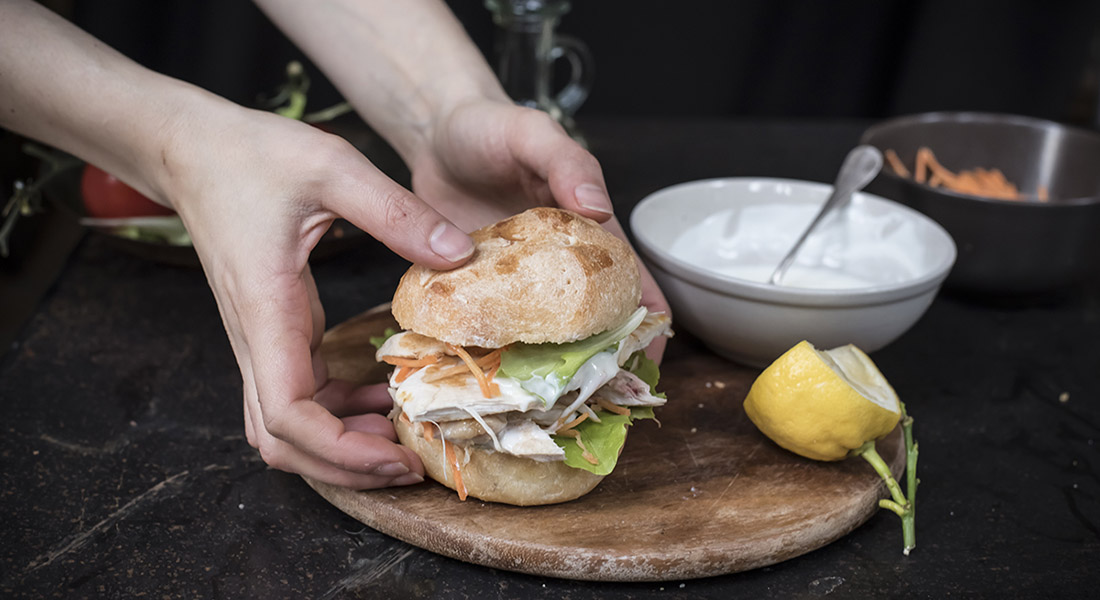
point(899, 504)
point(911, 452)
point(868, 452)
point(908, 525)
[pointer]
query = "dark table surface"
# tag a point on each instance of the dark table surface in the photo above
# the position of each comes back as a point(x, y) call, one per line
point(126, 472)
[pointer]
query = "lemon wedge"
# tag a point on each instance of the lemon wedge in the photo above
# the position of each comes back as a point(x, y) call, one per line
point(823, 404)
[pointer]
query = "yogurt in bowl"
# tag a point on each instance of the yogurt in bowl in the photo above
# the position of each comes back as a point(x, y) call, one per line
point(864, 276)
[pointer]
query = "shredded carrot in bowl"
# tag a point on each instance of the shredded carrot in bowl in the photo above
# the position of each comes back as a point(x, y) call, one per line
point(988, 183)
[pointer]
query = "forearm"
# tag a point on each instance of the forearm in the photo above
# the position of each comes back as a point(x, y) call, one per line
point(67, 89)
point(401, 64)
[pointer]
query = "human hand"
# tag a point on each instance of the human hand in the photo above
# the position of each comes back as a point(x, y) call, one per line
point(488, 159)
point(257, 191)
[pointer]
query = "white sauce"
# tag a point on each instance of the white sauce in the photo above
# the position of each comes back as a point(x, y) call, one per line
point(852, 248)
point(797, 276)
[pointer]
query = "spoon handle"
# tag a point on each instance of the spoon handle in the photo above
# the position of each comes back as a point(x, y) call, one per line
point(859, 168)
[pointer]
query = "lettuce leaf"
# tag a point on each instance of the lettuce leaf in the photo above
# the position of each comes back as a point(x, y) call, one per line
point(546, 369)
point(378, 340)
point(604, 440)
point(646, 370)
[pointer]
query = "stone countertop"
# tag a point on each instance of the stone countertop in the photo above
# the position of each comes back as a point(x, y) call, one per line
point(126, 472)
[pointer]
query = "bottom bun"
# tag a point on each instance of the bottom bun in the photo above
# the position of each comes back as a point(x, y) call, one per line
point(499, 477)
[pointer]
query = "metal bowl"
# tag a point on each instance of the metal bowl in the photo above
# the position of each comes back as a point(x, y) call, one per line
point(1006, 247)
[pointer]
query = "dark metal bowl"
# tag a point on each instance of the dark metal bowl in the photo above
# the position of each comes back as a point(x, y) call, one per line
point(1005, 246)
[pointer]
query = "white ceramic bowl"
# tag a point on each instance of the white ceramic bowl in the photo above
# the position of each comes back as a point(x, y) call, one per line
point(864, 277)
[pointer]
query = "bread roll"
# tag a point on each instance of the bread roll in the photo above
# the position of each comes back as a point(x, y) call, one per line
point(544, 275)
point(498, 477)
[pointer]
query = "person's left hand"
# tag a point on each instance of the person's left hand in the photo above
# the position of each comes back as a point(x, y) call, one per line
point(488, 159)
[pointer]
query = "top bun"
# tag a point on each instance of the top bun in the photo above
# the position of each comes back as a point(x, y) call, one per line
point(544, 275)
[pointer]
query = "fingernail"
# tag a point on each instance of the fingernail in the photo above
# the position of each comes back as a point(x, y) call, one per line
point(593, 197)
point(391, 469)
point(409, 479)
point(450, 243)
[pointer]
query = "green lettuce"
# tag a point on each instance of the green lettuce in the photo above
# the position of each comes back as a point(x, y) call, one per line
point(604, 440)
point(546, 369)
point(378, 340)
point(646, 370)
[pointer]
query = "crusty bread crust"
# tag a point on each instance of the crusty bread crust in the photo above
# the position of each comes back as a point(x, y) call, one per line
point(544, 275)
point(499, 477)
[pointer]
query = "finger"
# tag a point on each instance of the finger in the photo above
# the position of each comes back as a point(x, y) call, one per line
point(279, 334)
point(237, 342)
point(249, 428)
point(317, 317)
point(290, 414)
point(344, 398)
point(372, 423)
point(654, 300)
point(287, 458)
point(397, 218)
point(652, 297)
point(573, 174)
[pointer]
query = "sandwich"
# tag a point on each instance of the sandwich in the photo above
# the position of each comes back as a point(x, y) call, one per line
point(517, 374)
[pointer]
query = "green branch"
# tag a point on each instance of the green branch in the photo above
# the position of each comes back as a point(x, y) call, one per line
point(903, 505)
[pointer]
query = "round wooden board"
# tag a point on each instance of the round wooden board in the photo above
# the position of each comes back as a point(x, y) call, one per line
point(702, 494)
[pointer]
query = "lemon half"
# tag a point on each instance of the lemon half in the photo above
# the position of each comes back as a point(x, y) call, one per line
point(822, 404)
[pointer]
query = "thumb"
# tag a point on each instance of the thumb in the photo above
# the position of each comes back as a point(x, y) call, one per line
point(399, 219)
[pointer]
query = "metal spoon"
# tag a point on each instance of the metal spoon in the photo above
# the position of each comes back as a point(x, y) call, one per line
point(859, 168)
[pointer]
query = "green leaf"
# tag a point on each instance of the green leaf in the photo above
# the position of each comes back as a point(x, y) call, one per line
point(604, 440)
point(646, 369)
point(378, 340)
point(546, 369)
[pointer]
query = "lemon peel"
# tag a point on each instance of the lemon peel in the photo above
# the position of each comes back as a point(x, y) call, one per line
point(832, 404)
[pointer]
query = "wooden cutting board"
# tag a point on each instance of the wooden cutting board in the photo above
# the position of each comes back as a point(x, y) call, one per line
point(702, 494)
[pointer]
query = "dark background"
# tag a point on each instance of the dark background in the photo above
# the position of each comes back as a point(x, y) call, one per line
point(743, 58)
point(106, 416)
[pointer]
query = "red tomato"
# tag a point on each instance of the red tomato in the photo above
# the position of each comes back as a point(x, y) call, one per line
point(107, 197)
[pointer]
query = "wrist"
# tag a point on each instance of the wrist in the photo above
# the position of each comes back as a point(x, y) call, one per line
point(179, 134)
point(414, 131)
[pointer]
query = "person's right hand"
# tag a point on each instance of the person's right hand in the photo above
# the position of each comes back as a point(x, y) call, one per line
point(257, 191)
point(488, 158)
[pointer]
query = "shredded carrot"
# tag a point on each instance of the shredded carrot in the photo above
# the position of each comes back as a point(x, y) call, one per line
point(486, 389)
point(408, 366)
point(574, 422)
point(449, 371)
point(429, 432)
point(490, 359)
point(399, 361)
point(456, 470)
point(922, 166)
point(493, 387)
point(609, 407)
point(896, 164)
point(585, 454)
point(947, 177)
point(990, 183)
point(403, 373)
point(405, 417)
